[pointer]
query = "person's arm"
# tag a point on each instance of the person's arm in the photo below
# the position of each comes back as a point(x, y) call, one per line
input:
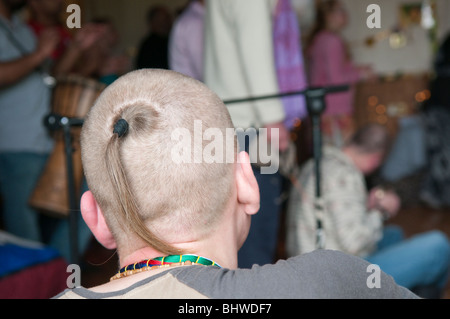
point(84, 39)
point(357, 229)
point(13, 71)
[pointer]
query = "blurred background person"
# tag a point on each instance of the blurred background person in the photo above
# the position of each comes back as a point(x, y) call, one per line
point(353, 220)
point(24, 102)
point(289, 62)
point(186, 41)
point(88, 53)
point(46, 14)
point(330, 64)
point(153, 51)
point(82, 41)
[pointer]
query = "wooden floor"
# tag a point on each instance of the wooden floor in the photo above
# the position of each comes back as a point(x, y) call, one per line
point(100, 264)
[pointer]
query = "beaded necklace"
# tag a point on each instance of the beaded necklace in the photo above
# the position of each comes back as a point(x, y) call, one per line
point(163, 262)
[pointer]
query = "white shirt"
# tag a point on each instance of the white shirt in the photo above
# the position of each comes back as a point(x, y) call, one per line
point(239, 59)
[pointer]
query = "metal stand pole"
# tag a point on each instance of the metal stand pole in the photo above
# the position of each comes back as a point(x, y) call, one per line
point(316, 105)
point(55, 122)
point(73, 206)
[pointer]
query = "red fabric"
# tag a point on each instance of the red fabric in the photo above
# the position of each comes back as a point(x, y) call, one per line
point(42, 281)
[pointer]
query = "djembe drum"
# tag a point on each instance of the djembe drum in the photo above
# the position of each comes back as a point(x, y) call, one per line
point(72, 97)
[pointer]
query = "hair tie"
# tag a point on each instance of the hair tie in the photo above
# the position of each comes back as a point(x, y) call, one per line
point(121, 127)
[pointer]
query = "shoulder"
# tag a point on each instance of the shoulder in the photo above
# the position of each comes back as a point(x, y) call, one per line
point(337, 162)
point(334, 274)
point(334, 163)
point(320, 274)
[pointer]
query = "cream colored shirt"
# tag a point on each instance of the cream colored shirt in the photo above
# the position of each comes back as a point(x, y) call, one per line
point(239, 59)
point(348, 225)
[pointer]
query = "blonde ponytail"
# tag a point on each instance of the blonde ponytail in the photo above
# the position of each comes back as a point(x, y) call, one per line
point(126, 202)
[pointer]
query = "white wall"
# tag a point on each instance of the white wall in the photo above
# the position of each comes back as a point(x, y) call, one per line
point(415, 57)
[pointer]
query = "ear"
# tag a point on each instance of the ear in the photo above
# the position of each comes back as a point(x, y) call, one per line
point(247, 186)
point(93, 216)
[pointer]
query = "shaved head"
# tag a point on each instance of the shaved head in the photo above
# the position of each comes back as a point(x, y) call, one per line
point(134, 179)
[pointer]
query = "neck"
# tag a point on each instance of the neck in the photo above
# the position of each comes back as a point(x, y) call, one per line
point(221, 246)
point(223, 255)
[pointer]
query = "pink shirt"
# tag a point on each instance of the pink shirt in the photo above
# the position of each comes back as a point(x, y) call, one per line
point(329, 65)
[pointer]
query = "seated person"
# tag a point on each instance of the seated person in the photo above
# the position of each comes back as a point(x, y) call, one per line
point(353, 220)
point(177, 224)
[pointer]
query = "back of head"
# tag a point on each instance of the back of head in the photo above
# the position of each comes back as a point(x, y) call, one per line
point(371, 138)
point(141, 190)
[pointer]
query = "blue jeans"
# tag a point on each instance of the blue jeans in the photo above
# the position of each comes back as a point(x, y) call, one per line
point(261, 244)
point(60, 238)
point(422, 260)
point(19, 173)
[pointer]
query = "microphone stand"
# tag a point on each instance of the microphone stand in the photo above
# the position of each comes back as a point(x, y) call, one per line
point(55, 122)
point(316, 105)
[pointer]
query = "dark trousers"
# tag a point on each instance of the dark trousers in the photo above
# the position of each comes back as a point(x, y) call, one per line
point(261, 244)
